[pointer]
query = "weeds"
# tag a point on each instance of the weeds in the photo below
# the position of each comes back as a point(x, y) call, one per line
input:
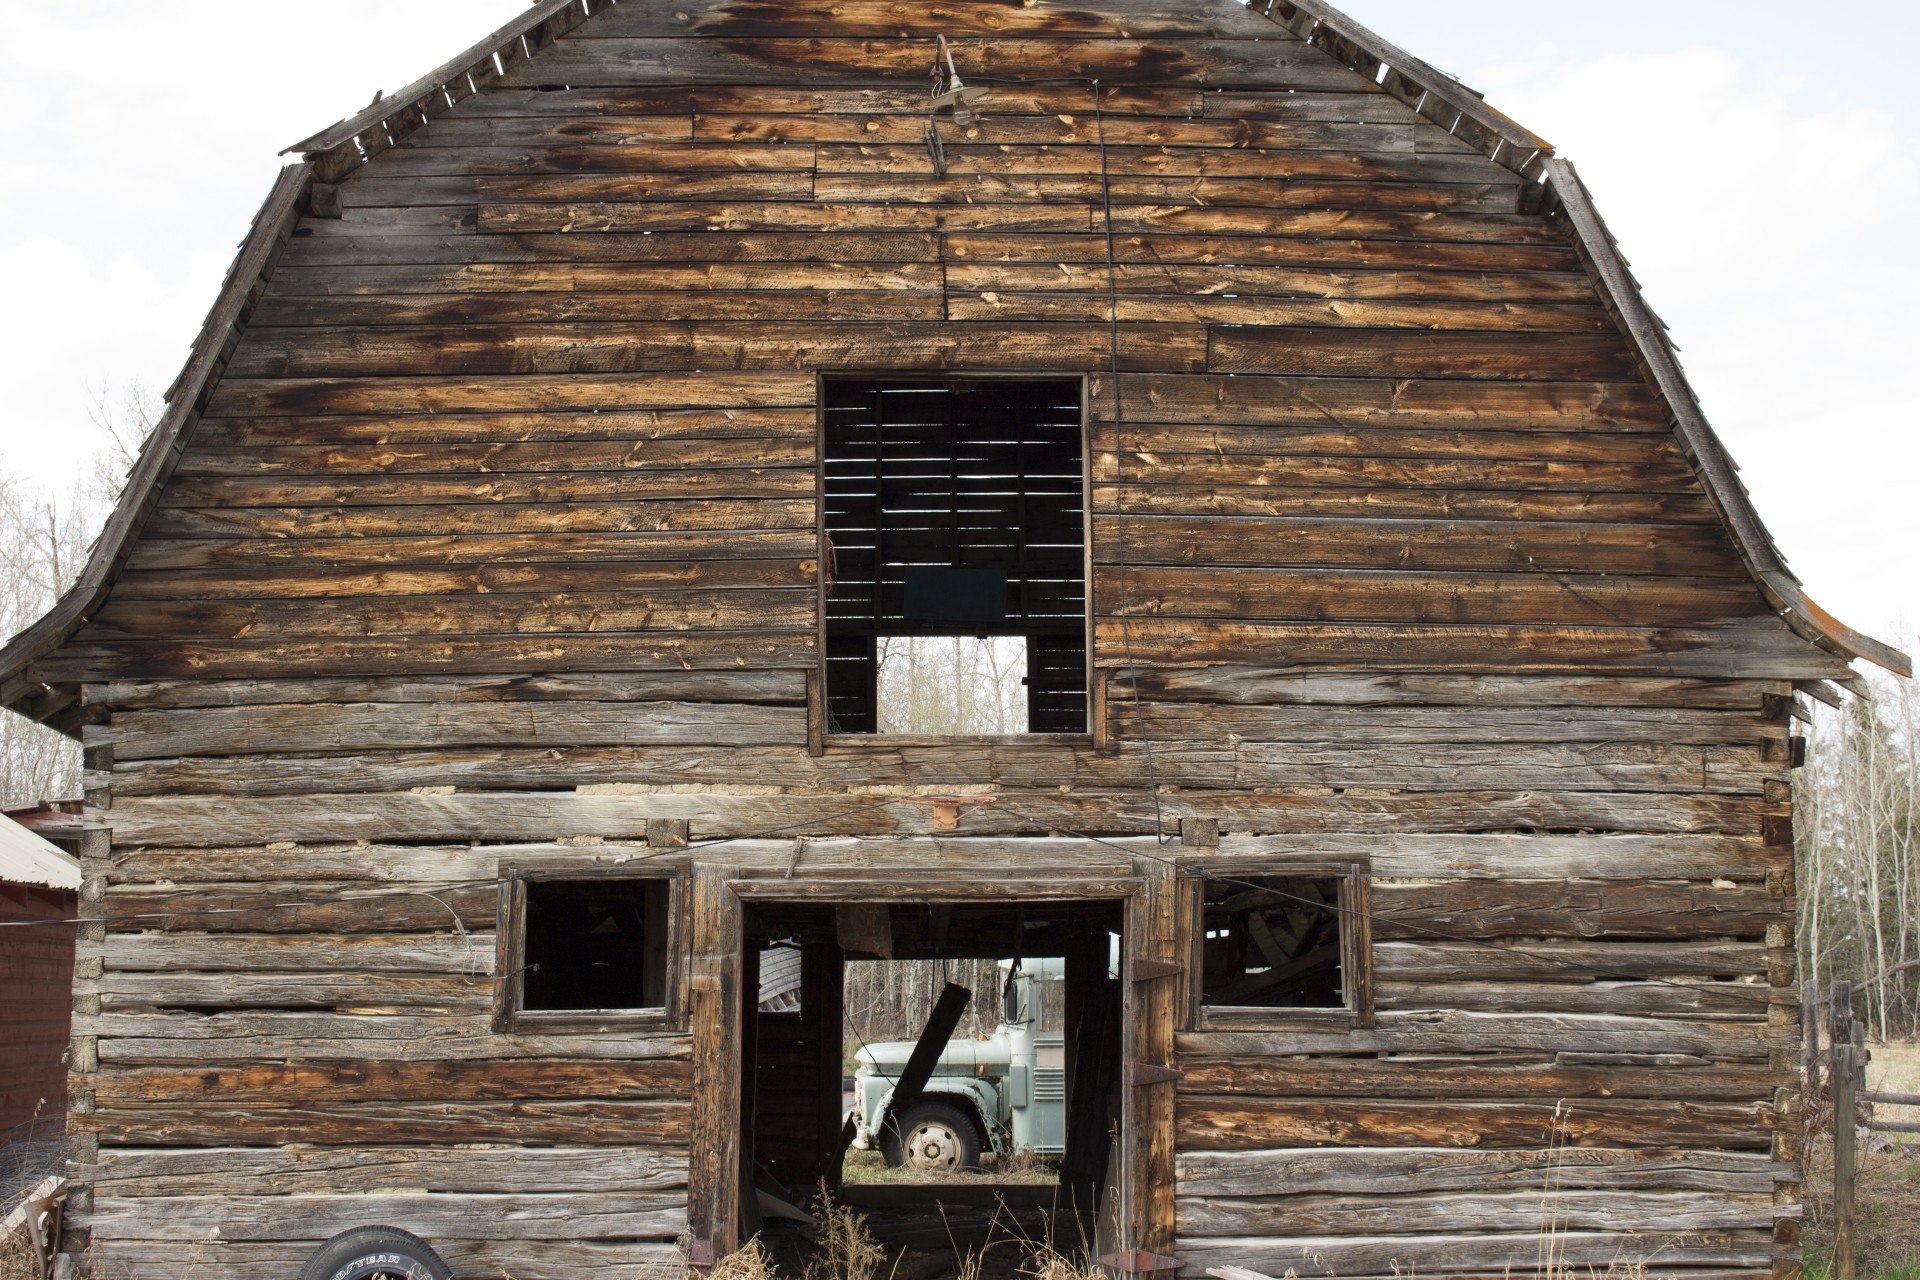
point(16, 1258)
point(748, 1262)
point(847, 1250)
point(1047, 1263)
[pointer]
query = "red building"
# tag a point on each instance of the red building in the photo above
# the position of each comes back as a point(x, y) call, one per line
point(39, 886)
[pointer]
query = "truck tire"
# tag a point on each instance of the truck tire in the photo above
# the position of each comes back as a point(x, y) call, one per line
point(931, 1137)
point(368, 1252)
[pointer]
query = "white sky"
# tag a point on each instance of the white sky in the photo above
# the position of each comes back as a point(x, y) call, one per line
point(1757, 166)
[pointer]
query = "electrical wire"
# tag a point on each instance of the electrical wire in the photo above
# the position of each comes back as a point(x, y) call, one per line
point(1119, 442)
point(1399, 922)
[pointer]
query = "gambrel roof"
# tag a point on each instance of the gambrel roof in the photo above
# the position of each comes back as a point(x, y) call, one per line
point(988, 35)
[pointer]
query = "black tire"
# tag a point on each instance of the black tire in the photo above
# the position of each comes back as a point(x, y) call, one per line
point(367, 1252)
point(933, 1137)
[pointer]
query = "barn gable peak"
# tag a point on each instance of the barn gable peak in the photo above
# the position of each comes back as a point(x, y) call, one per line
point(509, 56)
point(1462, 111)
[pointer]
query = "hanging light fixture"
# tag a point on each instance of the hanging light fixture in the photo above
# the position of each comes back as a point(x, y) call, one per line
point(949, 91)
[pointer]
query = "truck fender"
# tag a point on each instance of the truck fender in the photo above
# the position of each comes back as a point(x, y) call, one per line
point(979, 1099)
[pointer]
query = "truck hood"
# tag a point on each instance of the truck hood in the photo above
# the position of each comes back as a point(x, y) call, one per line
point(891, 1055)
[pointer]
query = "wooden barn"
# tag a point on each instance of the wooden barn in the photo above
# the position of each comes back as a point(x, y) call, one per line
point(39, 888)
point(480, 675)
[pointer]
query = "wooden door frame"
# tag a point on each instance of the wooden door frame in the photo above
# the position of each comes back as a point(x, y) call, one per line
point(1148, 898)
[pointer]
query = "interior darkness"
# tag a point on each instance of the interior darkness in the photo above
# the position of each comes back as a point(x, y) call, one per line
point(793, 1135)
point(595, 944)
point(956, 507)
point(1274, 946)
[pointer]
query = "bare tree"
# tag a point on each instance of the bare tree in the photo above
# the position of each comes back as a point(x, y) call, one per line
point(43, 544)
point(952, 684)
point(125, 414)
point(892, 999)
point(1856, 804)
point(45, 534)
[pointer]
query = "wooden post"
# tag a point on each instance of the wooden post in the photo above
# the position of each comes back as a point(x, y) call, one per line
point(713, 1187)
point(1842, 1074)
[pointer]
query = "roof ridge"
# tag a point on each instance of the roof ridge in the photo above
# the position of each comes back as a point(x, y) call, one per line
point(350, 142)
point(1443, 99)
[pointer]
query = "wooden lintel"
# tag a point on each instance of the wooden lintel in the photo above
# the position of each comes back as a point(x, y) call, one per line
point(1140, 969)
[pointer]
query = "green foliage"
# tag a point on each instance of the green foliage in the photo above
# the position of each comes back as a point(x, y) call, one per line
point(1817, 1264)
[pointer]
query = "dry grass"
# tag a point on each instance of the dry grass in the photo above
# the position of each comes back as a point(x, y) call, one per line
point(1022, 1167)
point(1048, 1263)
point(748, 1262)
point(1887, 1183)
point(1886, 1225)
point(1895, 1068)
point(16, 1258)
point(847, 1250)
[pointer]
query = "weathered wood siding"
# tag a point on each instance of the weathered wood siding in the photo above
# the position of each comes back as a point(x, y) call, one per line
point(498, 536)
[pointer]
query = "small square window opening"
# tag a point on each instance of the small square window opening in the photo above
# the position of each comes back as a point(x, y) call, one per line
point(596, 944)
point(1273, 942)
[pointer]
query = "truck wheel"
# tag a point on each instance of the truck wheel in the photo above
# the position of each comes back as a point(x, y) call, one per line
point(931, 1137)
point(368, 1252)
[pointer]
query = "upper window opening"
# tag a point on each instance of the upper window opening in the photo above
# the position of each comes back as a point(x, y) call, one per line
point(1274, 942)
point(955, 517)
point(595, 944)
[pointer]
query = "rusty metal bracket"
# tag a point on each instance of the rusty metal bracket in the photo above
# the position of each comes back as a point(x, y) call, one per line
point(1140, 1074)
point(1141, 969)
point(1138, 1262)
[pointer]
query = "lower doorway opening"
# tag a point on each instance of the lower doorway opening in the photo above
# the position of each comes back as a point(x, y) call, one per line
point(949, 1073)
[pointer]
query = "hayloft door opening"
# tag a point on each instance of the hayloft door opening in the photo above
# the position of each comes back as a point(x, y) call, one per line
point(985, 1111)
point(954, 539)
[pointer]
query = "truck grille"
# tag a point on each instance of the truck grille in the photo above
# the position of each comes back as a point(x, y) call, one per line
point(1049, 1084)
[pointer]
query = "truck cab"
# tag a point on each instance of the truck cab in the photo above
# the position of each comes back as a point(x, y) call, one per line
point(1004, 1092)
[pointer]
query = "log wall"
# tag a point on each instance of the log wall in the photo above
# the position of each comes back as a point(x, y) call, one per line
point(498, 539)
point(1581, 889)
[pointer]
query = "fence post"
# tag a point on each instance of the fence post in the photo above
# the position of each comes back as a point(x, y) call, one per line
point(1842, 1074)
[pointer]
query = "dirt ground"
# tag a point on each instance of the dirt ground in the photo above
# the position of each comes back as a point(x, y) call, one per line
point(1887, 1214)
point(867, 1166)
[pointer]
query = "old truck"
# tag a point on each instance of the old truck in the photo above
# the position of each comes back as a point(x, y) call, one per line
point(1005, 1092)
